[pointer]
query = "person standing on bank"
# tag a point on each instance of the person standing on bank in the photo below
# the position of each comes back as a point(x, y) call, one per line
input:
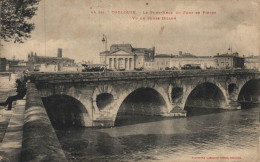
point(21, 91)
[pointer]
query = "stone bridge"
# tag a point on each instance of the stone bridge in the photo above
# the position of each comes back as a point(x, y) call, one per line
point(96, 99)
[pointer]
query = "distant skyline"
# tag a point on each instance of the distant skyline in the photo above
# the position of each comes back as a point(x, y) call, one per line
point(70, 25)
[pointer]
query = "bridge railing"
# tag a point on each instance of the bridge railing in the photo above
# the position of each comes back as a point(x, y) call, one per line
point(110, 75)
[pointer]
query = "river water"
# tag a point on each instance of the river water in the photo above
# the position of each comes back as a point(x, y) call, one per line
point(215, 136)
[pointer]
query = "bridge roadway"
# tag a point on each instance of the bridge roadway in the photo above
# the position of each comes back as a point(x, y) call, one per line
point(54, 77)
point(98, 97)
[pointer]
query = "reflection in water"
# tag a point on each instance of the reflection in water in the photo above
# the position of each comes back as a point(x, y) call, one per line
point(145, 104)
point(227, 133)
point(206, 95)
point(65, 110)
point(250, 91)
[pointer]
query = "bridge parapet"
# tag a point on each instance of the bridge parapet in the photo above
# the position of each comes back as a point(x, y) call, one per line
point(38, 132)
point(126, 75)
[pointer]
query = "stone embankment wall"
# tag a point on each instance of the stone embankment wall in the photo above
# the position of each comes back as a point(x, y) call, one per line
point(40, 142)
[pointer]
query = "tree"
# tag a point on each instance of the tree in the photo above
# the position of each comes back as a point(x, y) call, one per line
point(15, 19)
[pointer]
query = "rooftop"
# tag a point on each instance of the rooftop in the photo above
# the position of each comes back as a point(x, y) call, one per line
point(163, 55)
point(185, 55)
point(126, 48)
point(235, 54)
point(121, 45)
point(55, 58)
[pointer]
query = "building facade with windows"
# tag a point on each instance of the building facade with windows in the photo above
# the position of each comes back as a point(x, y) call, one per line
point(204, 62)
point(252, 62)
point(2, 64)
point(125, 57)
point(12, 65)
point(16, 65)
point(163, 61)
point(50, 64)
point(229, 61)
point(150, 65)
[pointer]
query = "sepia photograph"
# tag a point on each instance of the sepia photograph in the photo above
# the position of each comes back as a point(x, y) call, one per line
point(129, 80)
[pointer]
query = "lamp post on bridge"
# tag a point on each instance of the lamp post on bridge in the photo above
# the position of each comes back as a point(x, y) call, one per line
point(92, 108)
point(104, 40)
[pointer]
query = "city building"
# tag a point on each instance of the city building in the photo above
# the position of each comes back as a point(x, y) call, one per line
point(2, 64)
point(50, 64)
point(15, 65)
point(150, 65)
point(164, 61)
point(12, 65)
point(252, 62)
point(229, 60)
point(204, 62)
point(125, 57)
point(103, 55)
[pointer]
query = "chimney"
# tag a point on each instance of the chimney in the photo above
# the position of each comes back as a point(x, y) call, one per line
point(59, 52)
point(217, 54)
point(153, 52)
point(180, 53)
point(31, 54)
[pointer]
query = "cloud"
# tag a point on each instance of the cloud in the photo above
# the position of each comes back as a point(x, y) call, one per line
point(71, 25)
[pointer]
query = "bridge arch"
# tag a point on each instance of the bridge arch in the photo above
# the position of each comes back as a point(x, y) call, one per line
point(65, 110)
point(249, 91)
point(206, 94)
point(142, 101)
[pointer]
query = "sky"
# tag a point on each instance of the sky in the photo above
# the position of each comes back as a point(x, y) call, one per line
point(73, 26)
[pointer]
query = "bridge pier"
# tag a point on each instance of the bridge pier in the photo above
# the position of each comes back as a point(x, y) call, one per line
point(233, 105)
point(103, 122)
point(104, 118)
point(176, 112)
